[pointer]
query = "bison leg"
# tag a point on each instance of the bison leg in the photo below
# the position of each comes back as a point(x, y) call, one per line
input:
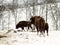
point(47, 32)
point(34, 28)
point(31, 27)
point(28, 28)
point(37, 30)
point(42, 33)
point(23, 28)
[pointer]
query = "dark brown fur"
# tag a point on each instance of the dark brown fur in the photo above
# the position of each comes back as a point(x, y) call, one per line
point(23, 24)
point(40, 24)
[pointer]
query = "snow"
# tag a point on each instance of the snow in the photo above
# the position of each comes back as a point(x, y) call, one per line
point(29, 38)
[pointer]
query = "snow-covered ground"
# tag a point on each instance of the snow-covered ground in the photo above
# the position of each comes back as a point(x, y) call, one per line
point(29, 38)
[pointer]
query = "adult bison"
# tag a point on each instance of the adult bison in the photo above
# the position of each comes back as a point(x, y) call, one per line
point(40, 24)
point(34, 20)
point(23, 24)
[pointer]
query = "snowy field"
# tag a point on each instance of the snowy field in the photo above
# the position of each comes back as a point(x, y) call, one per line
point(29, 38)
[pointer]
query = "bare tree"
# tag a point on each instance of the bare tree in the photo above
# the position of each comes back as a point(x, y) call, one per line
point(46, 11)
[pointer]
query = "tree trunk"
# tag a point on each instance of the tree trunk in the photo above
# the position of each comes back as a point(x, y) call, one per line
point(2, 24)
point(8, 19)
point(46, 11)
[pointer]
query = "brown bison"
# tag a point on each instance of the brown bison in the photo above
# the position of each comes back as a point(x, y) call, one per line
point(23, 24)
point(40, 24)
point(35, 21)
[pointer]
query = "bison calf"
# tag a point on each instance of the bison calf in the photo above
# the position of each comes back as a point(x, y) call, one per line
point(23, 24)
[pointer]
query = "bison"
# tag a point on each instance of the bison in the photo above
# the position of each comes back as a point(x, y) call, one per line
point(23, 24)
point(40, 24)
